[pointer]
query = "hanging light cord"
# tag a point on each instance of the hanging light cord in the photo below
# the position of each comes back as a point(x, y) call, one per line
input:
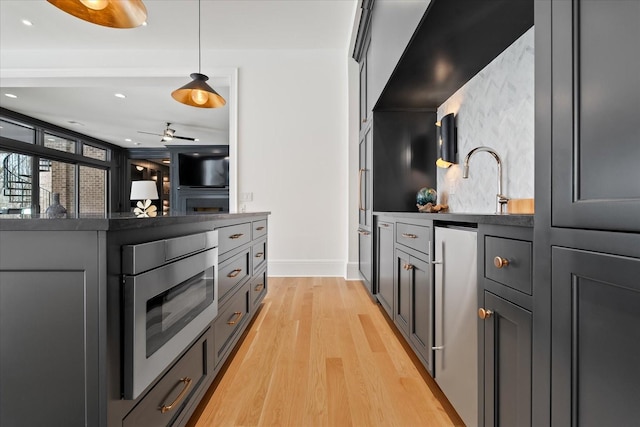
point(199, 48)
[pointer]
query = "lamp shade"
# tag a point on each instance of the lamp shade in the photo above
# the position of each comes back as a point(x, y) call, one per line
point(447, 142)
point(197, 93)
point(108, 13)
point(143, 190)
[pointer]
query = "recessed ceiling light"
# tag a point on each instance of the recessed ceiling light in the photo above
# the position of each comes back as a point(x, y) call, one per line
point(10, 95)
point(27, 22)
point(128, 139)
point(120, 95)
point(196, 140)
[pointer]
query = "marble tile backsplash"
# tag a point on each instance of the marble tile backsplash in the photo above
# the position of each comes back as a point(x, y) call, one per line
point(496, 109)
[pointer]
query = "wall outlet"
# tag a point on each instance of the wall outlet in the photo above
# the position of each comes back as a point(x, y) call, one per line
point(246, 197)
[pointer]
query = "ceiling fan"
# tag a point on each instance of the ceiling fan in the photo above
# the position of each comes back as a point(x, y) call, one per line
point(169, 134)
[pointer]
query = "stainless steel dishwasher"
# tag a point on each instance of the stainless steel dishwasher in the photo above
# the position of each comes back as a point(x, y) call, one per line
point(456, 336)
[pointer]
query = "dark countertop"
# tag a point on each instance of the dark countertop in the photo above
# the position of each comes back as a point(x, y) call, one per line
point(114, 221)
point(517, 220)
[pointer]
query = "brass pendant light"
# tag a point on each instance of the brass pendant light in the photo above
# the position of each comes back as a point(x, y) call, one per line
point(108, 13)
point(197, 93)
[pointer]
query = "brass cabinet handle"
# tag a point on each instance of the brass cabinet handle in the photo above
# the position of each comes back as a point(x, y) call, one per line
point(259, 287)
point(234, 273)
point(407, 267)
point(363, 232)
point(500, 262)
point(238, 316)
point(484, 314)
point(259, 254)
point(409, 236)
point(382, 224)
point(360, 172)
point(187, 383)
point(236, 236)
point(260, 228)
point(364, 120)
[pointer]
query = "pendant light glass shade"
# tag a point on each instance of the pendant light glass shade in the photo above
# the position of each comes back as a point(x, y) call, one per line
point(197, 93)
point(108, 13)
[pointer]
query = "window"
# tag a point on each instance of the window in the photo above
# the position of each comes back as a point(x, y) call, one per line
point(15, 182)
point(94, 152)
point(93, 195)
point(58, 143)
point(17, 132)
point(57, 177)
point(46, 163)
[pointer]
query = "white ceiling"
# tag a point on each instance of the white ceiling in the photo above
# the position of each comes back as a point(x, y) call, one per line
point(74, 86)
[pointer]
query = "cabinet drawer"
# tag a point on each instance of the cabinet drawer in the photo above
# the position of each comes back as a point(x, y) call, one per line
point(259, 255)
point(230, 320)
point(175, 388)
point(259, 228)
point(232, 272)
point(508, 261)
point(258, 289)
point(414, 236)
point(233, 236)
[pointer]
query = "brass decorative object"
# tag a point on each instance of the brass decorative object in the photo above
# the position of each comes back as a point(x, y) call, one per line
point(197, 93)
point(108, 13)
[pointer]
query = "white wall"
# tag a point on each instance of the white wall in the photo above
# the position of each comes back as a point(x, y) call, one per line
point(293, 146)
point(496, 109)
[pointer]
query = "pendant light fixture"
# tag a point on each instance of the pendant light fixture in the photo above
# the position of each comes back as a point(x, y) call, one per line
point(108, 13)
point(198, 93)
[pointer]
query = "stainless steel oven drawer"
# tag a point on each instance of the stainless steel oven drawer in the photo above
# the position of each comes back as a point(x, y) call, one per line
point(231, 273)
point(167, 398)
point(230, 321)
point(233, 236)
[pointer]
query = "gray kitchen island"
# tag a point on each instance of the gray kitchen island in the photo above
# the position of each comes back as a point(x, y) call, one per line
point(78, 294)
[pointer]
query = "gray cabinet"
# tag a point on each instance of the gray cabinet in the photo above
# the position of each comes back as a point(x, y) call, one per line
point(505, 328)
point(507, 363)
point(164, 403)
point(595, 338)
point(384, 264)
point(587, 245)
point(596, 99)
point(365, 214)
point(51, 331)
point(413, 305)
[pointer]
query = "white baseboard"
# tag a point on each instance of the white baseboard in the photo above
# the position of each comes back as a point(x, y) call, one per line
point(353, 273)
point(306, 268)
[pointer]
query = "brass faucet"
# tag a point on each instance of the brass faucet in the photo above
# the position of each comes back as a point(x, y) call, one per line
point(501, 199)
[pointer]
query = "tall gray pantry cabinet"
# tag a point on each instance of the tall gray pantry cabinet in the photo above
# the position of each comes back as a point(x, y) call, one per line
point(587, 234)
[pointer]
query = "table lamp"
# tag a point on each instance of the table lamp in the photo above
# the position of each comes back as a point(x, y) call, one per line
point(144, 192)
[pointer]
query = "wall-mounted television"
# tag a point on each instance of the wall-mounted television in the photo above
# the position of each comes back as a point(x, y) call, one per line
point(203, 170)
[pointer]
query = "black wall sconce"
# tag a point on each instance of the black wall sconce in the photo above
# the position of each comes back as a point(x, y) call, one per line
point(447, 141)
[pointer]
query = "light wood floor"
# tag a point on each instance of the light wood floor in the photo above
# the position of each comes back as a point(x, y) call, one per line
point(321, 353)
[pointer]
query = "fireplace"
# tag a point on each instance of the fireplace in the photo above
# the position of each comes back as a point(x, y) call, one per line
point(212, 203)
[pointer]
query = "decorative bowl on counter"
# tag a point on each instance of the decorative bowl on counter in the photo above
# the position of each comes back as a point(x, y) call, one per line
point(426, 195)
